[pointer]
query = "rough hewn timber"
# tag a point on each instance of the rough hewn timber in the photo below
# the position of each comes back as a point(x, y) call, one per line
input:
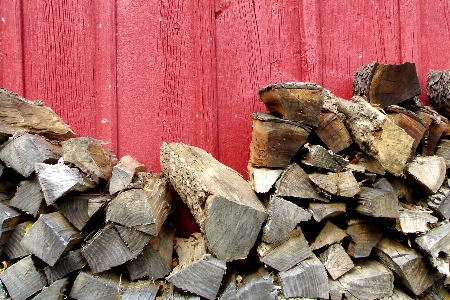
point(443, 150)
point(440, 201)
point(142, 289)
point(412, 221)
point(14, 248)
point(55, 291)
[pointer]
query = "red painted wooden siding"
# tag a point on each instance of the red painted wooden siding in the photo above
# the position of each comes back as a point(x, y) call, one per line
point(136, 73)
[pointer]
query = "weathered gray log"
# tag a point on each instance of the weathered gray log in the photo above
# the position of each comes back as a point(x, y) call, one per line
point(275, 141)
point(23, 279)
point(411, 221)
point(443, 150)
point(438, 90)
point(105, 286)
point(364, 236)
point(70, 262)
point(24, 150)
point(80, 208)
point(283, 217)
point(336, 261)
point(329, 234)
point(143, 209)
point(296, 101)
point(322, 211)
point(142, 289)
point(227, 290)
point(340, 184)
point(29, 197)
point(286, 253)
point(428, 171)
point(50, 237)
point(14, 248)
point(135, 240)
point(222, 202)
point(437, 292)
point(398, 294)
point(319, 157)
point(155, 261)
point(257, 285)
point(9, 218)
point(262, 179)
point(198, 272)
point(369, 163)
point(55, 291)
point(294, 182)
point(89, 156)
point(59, 180)
point(440, 201)
point(17, 113)
point(333, 133)
point(308, 279)
point(409, 265)
point(377, 203)
point(106, 249)
point(123, 173)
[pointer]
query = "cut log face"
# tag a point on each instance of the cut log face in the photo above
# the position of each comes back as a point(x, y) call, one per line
point(262, 179)
point(308, 279)
point(322, 211)
point(28, 197)
point(364, 237)
point(340, 184)
point(24, 150)
point(377, 203)
point(23, 279)
point(440, 201)
point(333, 133)
point(228, 237)
point(21, 114)
point(135, 240)
point(336, 261)
point(70, 262)
point(9, 218)
point(228, 288)
point(59, 180)
point(320, 157)
point(257, 285)
point(123, 173)
point(370, 164)
point(54, 291)
point(408, 264)
point(285, 254)
point(275, 141)
point(411, 221)
point(296, 101)
point(329, 234)
point(50, 237)
point(283, 217)
point(443, 150)
point(105, 286)
point(14, 248)
point(142, 289)
point(428, 171)
point(438, 90)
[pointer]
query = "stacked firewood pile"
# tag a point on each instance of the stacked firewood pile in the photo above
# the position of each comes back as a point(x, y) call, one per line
point(344, 199)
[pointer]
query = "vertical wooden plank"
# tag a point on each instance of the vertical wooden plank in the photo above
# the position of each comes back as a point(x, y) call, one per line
point(166, 76)
point(11, 64)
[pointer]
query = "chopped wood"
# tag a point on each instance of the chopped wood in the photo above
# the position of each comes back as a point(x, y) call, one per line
point(29, 197)
point(339, 184)
point(336, 261)
point(329, 234)
point(14, 248)
point(437, 292)
point(262, 179)
point(24, 150)
point(408, 264)
point(228, 288)
point(257, 285)
point(142, 289)
point(308, 279)
point(333, 133)
point(428, 171)
point(363, 78)
point(215, 195)
point(198, 272)
point(318, 156)
point(50, 237)
point(398, 294)
point(439, 202)
point(369, 163)
point(123, 173)
point(375, 202)
point(403, 189)
point(105, 286)
point(59, 180)
point(438, 90)
point(283, 217)
point(436, 124)
point(443, 150)
point(9, 218)
point(135, 240)
point(285, 254)
point(296, 101)
point(23, 279)
point(294, 182)
point(376, 134)
point(54, 291)
point(275, 141)
point(364, 236)
point(70, 262)
point(32, 116)
point(411, 221)
point(322, 211)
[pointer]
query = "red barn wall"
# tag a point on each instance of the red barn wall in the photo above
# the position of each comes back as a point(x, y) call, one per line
point(137, 73)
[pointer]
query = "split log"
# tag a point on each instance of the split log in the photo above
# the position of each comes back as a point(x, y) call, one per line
point(283, 217)
point(294, 182)
point(142, 289)
point(404, 190)
point(439, 202)
point(134, 239)
point(50, 237)
point(377, 203)
point(275, 141)
point(329, 234)
point(333, 133)
point(339, 184)
point(336, 261)
point(70, 262)
point(257, 285)
point(142, 209)
point(364, 236)
point(285, 254)
point(262, 179)
point(32, 116)
point(23, 279)
point(105, 286)
point(369, 163)
point(376, 134)
point(155, 261)
point(79, 209)
point(215, 195)
point(408, 264)
point(228, 288)
point(322, 211)
point(428, 171)
point(319, 157)
point(438, 90)
point(437, 292)
point(443, 150)
point(106, 249)
point(411, 221)
point(123, 173)
point(436, 126)
point(9, 218)
point(29, 197)
point(55, 291)
point(296, 101)
point(14, 248)
point(398, 294)
point(198, 272)
point(24, 150)
point(59, 180)
point(308, 279)
point(436, 243)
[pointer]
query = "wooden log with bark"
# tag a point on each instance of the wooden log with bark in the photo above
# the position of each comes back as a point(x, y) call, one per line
point(439, 202)
point(438, 90)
